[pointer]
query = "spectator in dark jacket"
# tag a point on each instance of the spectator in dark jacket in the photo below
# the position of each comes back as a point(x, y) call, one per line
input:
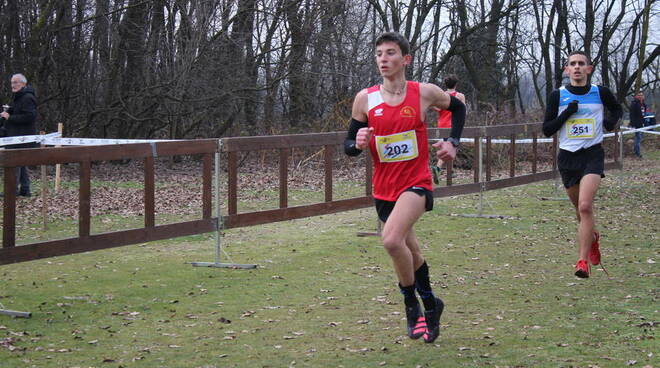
point(637, 109)
point(20, 119)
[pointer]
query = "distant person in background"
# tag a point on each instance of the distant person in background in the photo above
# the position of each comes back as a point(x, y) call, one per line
point(20, 119)
point(444, 119)
point(637, 110)
point(576, 112)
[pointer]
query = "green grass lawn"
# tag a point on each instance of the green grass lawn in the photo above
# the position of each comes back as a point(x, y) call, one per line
point(323, 297)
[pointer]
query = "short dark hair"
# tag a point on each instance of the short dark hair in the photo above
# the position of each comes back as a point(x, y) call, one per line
point(450, 81)
point(397, 38)
point(577, 52)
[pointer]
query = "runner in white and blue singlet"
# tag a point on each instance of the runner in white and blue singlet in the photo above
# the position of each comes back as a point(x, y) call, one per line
point(577, 112)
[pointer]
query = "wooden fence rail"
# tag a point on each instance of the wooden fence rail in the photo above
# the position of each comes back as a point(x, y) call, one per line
point(231, 147)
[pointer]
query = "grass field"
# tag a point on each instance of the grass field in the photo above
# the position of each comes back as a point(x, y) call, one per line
point(323, 297)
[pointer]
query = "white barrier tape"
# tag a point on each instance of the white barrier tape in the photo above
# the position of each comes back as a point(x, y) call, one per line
point(97, 141)
point(525, 140)
point(55, 139)
point(27, 139)
point(648, 129)
point(549, 140)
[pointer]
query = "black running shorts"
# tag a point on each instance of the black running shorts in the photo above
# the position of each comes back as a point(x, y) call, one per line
point(384, 208)
point(574, 165)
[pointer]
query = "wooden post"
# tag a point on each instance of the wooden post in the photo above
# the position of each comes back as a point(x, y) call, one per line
point(368, 174)
point(489, 148)
point(327, 155)
point(85, 193)
point(475, 161)
point(232, 186)
point(9, 210)
point(284, 177)
point(149, 193)
point(58, 169)
point(44, 193)
point(512, 156)
point(450, 171)
point(207, 185)
point(554, 152)
point(535, 154)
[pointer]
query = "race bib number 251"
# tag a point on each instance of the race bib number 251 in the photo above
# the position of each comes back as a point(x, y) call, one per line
point(581, 128)
point(397, 147)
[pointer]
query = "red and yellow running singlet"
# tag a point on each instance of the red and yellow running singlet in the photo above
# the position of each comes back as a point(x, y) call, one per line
point(444, 116)
point(399, 148)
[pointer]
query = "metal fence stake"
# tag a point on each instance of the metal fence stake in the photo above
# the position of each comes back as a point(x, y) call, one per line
point(482, 189)
point(218, 233)
point(13, 313)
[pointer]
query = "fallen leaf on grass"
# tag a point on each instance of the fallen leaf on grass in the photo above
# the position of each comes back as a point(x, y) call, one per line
point(361, 350)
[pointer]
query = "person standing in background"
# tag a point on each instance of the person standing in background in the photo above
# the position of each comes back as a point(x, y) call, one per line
point(637, 110)
point(20, 119)
point(444, 119)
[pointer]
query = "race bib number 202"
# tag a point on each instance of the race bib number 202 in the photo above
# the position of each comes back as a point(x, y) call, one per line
point(581, 128)
point(397, 147)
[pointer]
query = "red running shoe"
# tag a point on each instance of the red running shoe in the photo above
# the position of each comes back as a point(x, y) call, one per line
point(594, 252)
point(582, 269)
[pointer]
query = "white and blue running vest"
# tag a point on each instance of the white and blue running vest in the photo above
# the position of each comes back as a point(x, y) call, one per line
point(584, 128)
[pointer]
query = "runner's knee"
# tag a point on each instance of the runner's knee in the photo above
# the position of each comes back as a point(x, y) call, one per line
point(392, 243)
point(585, 208)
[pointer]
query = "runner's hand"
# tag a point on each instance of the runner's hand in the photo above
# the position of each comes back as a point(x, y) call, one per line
point(446, 151)
point(572, 107)
point(363, 137)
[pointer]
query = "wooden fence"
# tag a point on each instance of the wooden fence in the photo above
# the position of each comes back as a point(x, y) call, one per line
point(232, 147)
point(85, 241)
point(331, 141)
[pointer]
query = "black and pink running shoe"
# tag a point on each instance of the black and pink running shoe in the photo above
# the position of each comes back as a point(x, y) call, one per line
point(416, 322)
point(432, 317)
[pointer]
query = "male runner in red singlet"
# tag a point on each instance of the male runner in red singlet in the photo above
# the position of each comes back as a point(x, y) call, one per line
point(389, 120)
point(444, 119)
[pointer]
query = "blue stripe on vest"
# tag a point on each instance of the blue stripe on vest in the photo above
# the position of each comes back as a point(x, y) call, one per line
point(592, 97)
